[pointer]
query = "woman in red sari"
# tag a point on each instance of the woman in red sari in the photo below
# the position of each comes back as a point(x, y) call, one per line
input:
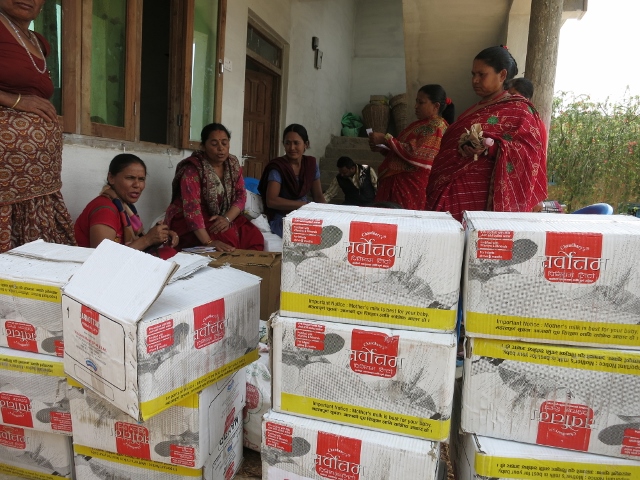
point(208, 198)
point(507, 173)
point(404, 173)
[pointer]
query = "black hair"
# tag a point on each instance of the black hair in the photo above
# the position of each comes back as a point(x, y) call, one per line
point(345, 162)
point(299, 129)
point(122, 161)
point(499, 58)
point(212, 127)
point(437, 94)
point(522, 85)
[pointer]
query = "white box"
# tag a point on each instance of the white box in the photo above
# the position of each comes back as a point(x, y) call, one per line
point(253, 206)
point(143, 347)
point(31, 277)
point(483, 457)
point(578, 398)
point(28, 453)
point(33, 392)
point(258, 378)
point(396, 381)
point(372, 266)
point(295, 448)
point(185, 434)
point(567, 279)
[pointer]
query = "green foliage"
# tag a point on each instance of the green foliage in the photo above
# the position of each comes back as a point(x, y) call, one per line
point(594, 151)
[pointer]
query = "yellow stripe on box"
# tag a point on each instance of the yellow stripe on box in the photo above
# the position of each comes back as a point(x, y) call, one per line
point(611, 361)
point(401, 315)
point(157, 405)
point(24, 473)
point(437, 430)
point(578, 331)
point(34, 291)
point(517, 468)
point(137, 462)
point(29, 365)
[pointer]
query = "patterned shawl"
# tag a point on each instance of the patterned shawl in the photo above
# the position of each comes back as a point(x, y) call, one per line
point(131, 224)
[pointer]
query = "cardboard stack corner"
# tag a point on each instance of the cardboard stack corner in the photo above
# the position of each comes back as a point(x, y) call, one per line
point(372, 266)
point(305, 449)
point(266, 265)
point(396, 381)
point(31, 279)
point(143, 345)
point(484, 457)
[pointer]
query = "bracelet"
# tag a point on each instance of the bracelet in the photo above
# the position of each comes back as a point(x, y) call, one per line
point(388, 137)
point(227, 219)
point(19, 98)
point(209, 242)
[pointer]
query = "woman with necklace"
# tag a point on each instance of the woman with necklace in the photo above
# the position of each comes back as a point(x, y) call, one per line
point(502, 169)
point(31, 204)
point(208, 198)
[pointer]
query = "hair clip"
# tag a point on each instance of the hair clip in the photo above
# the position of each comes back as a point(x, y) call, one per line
point(505, 47)
point(448, 101)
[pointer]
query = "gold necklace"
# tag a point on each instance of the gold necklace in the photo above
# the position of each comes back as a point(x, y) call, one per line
point(36, 44)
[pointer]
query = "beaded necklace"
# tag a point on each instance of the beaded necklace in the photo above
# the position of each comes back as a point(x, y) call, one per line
point(36, 43)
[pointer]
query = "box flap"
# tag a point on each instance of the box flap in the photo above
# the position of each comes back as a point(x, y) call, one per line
point(244, 257)
point(120, 282)
point(188, 265)
point(55, 252)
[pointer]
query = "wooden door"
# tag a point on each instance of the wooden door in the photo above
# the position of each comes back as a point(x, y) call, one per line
point(258, 113)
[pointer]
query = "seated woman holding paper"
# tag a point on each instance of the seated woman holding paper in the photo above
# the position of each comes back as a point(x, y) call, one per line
point(113, 216)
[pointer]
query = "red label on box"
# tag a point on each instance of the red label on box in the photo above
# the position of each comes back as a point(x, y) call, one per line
point(159, 336)
point(12, 437)
point(337, 457)
point(309, 335)
point(573, 257)
point(374, 353)
point(494, 245)
point(373, 245)
point(209, 323)
point(60, 421)
point(565, 425)
point(16, 410)
point(496, 234)
point(230, 471)
point(228, 422)
point(631, 442)
point(306, 230)
point(182, 455)
point(132, 440)
point(90, 320)
point(21, 336)
point(59, 346)
point(279, 436)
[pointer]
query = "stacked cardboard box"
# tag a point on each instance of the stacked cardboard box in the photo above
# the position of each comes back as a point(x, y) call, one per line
point(364, 338)
point(552, 313)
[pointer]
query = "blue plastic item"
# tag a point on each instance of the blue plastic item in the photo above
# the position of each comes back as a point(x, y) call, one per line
point(596, 209)
point(251, 184)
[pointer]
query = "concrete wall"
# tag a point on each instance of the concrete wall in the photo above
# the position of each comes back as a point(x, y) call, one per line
point(378, 63)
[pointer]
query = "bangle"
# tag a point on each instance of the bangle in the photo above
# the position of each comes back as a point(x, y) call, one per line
point(227, 219)
point(19, 98)
point(388, 137)
point(209, 242)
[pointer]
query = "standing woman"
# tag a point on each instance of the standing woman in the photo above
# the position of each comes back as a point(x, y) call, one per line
point(287, 180)
point(404, 173)
point(208, 197)
point(507, 172)
point(31, 204)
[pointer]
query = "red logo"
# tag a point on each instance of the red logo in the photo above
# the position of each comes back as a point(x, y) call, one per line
point(573, 257)
point(337, 457)
point(21, 336)
point(90, 320)
point(12, 437)
point(16, 410)
point(374, 353)
point(231, 469)
point(132, 440)
point(565, 425)
point(253, 398)
point(372, 245)
point(209, 322)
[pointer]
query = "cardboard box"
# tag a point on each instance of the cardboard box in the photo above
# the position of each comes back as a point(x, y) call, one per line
point(577, 398)
point(372, 266)
point(185, 434)
point(33, 392)
point(258, 378)
point(266, 265)
point(565, 279)
point(297, 448)
point(28, 453)
point(483, 457)
point(395, 381)
point(143, 345)
point(31, 277)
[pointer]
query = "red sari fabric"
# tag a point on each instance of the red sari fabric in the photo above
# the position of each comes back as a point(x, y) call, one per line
point(404, 173)
point(511, 178)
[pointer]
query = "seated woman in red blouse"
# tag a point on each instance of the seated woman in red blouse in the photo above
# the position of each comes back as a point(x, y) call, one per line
point(113, 216)
point(208, 198)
